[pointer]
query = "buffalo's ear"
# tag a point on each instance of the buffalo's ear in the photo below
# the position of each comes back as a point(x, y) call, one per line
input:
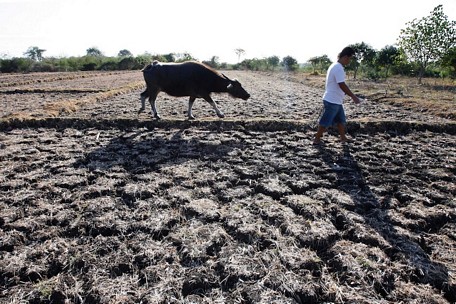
point(229, 86)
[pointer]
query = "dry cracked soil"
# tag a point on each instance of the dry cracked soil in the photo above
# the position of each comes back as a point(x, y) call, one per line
point(100, 204)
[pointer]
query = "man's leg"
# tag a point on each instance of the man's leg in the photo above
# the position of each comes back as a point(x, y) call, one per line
point(319, 134)
point(341, 129)
point(326, 120)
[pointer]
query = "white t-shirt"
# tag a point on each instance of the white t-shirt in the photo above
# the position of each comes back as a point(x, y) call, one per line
point(334, 76)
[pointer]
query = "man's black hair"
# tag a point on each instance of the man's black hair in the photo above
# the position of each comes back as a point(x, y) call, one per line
point(347, 51)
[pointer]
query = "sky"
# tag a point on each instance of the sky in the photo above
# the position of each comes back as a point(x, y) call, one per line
point(206, 28)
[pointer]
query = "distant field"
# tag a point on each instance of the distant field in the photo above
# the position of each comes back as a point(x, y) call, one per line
point(100, 204)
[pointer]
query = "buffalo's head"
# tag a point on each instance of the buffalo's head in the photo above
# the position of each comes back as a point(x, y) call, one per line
point(235, 89)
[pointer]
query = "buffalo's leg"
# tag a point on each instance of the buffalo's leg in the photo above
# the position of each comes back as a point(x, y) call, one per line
point(143, 95)
point(214, 105)
point(190, 106)
point(152, 99)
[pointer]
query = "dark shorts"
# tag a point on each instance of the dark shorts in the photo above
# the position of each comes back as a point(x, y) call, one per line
point(333, 114)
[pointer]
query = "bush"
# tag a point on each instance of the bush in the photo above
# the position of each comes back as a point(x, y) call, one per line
point(43, 67)
point(109, 64)
point(90, 66)
point(255, 64)
point(404, 69)
point(127, 63)
point(16, 65)
point(142, 61)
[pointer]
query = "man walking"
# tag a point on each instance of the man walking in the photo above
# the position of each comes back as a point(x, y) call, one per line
point(333, 99)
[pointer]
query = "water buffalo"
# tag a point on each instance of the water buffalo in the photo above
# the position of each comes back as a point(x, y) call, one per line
point(189, 78)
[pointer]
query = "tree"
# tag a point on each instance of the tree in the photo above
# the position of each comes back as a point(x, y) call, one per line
point(95, 52)
point(428, 39)
point(314, 62)
point(321, 62)
point(125, 53)
point(273, 61)
point(449, 60)
point(402, 65)
point(364, 56)
point(171, 57)
point(289, 63)
point(181, 57)
point(35, 53)
point(239, 52)
point(386, 57)
point(214, 62)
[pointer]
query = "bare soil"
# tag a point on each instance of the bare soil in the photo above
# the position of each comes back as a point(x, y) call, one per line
point(102, 205)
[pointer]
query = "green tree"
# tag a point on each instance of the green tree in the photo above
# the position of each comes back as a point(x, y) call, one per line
point(449, 61)
point(320, 62)
point(428, 39)
point(124, 53)
point(386, 57)
point(364, 56)
point(34, 53)
point(314, 63)
point(95, 52)
point(214, 62)
point(272, 61)
point(402, 65)
point(171, 57)
point(289, 63)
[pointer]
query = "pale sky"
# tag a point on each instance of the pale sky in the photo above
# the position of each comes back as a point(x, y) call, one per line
point(206, 28)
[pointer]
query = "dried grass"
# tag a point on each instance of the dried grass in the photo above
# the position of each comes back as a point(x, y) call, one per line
point(54, 109)
point(433, 96)
point(15, 80)
point(209, 212)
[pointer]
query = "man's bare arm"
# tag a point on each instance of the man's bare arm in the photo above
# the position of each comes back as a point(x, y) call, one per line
point(347, 91)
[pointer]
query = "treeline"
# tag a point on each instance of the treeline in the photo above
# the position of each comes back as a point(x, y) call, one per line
point(90, 62)
point(34, 61)
point(390, 60)
point(370, 63)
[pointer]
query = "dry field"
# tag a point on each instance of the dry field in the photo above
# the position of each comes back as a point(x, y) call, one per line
point(102, 205)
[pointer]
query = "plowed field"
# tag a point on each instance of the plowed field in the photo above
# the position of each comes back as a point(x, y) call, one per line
point(102, 205)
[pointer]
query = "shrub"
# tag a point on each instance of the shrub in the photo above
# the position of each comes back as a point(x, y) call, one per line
point(127, 63)
point(16, 65)
point(109, 64)
point(90, 66)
